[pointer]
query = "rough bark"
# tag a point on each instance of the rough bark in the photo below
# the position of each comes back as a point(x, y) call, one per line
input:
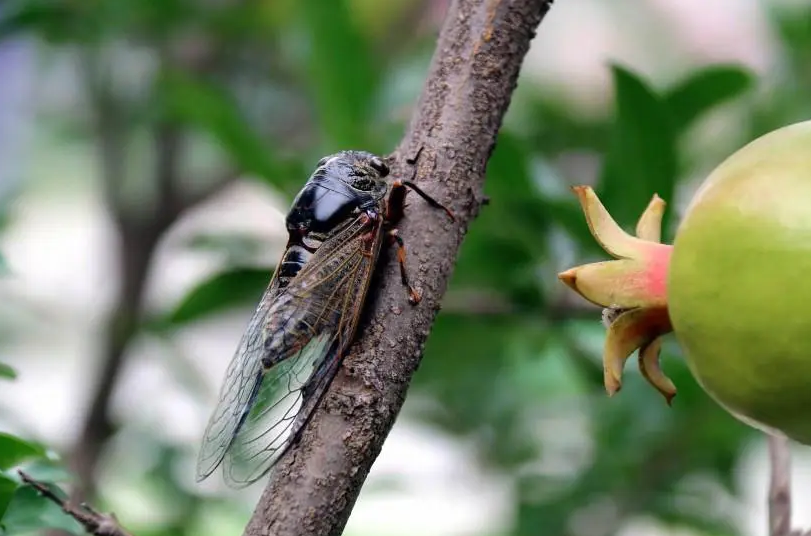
point(472, 76)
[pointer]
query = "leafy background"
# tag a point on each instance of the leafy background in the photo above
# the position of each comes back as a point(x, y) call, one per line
point(148, 151)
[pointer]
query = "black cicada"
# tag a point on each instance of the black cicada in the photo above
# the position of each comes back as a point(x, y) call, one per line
point(308, 315)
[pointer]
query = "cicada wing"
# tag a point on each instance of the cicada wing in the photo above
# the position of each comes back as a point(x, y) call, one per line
point(239, 386)
point(303, 333)
point(321, 307)
point(271, 423)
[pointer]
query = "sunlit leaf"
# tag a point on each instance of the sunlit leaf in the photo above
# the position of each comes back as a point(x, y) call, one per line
point(235, 287)
point(28, 511)
point(14, 450)
point(642, 157)
point(705, 89)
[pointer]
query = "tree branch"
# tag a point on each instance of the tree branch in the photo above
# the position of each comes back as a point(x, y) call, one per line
point(780, 488)
point(472, 76)
point(93, 522)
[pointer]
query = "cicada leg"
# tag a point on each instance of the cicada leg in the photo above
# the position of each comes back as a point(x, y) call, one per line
point(396, 202)
point(395, 209)
point(373, 222)
point(397, 195)
point(413, 296)
point(395, 205)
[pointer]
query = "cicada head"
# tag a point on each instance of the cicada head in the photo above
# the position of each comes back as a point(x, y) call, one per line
point(360, 170)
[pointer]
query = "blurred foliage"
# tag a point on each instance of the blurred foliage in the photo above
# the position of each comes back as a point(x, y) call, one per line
point(270, 86)
point(226, 289)
point(7, 372)
point(22, 510)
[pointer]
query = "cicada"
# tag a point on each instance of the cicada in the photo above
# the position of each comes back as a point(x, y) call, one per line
point(308, 315)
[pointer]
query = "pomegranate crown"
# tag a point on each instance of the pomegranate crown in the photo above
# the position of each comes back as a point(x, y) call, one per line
point(632, 290)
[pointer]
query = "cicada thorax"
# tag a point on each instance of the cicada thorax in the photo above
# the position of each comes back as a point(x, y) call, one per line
point(338, 192)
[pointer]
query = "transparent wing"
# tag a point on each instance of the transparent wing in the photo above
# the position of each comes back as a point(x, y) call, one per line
point(271, 423)
point(301, 334)
point(239, 386)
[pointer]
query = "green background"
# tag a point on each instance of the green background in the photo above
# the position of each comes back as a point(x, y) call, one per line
point(511, 380)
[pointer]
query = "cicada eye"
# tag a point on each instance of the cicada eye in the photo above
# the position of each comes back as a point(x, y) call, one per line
point(379, 165)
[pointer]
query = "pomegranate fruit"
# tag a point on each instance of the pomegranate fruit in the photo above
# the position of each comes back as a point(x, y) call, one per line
point(734, 287)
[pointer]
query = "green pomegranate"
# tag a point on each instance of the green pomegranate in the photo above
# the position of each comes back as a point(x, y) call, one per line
point(735, 286)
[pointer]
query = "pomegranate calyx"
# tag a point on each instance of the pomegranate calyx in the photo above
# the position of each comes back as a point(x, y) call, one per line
point(632, 290)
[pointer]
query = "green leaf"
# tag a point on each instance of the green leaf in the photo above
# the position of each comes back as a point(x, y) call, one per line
point(14, 450)
point(553, 129)
point(342, 76)
point(703, 90)
point(791, 24)
point(7, 487)
point(7, 372)
point(208, 108)
point(642, 157)
point(225, 290)
point(54, 20)
point(510, 237)
point(46, 470)
point(65, 21)
point(28, 512)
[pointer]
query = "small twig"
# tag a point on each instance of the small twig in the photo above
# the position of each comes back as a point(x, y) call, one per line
point(94, 522)
point(780, 489)
point(779, 486)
